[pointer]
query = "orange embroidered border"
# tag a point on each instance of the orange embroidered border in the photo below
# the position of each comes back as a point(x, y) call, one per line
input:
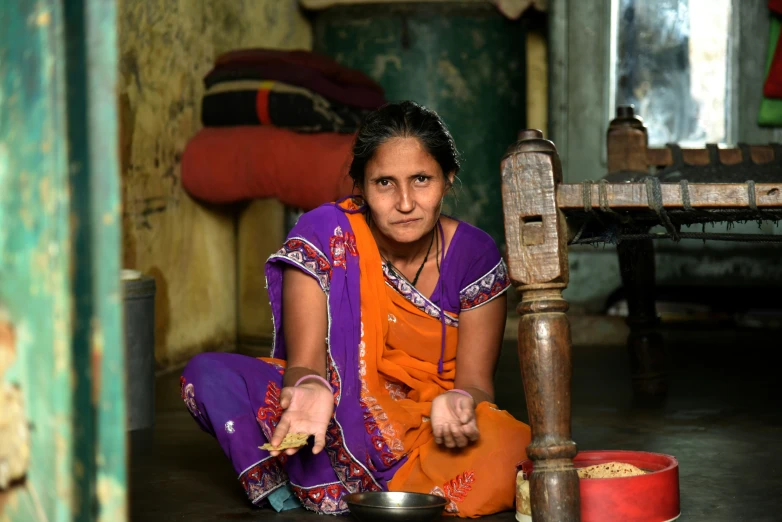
point(455, 490)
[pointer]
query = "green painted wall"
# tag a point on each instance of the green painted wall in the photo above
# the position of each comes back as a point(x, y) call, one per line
point(60, 256)
point(465, 62)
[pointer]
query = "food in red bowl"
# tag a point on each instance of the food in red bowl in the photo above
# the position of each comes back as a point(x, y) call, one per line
point(644, 487)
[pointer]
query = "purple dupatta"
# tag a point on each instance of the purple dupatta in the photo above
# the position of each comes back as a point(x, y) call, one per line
point(323, 245)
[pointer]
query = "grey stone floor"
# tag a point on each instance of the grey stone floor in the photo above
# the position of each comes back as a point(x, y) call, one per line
point(722, 420)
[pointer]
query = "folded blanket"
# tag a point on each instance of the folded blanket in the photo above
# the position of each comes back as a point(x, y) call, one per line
point(512, 9)
point(327, 67)
point(231, 164)
point(353, 95)
point(316, 73)
point(266, 102)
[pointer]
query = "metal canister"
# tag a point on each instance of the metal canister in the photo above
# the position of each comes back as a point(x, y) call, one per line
point(139, 307)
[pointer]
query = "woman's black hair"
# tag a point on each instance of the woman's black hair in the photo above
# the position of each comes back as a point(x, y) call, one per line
point(405, 119)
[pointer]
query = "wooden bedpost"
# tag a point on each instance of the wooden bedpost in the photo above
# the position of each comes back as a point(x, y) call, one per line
point(536, 236)
point(627, 143)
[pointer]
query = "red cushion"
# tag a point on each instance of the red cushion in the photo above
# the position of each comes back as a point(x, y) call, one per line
point(775, 5)
point(230, 164)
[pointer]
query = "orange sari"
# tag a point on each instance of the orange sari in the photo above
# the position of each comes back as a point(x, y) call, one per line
point(399, 352)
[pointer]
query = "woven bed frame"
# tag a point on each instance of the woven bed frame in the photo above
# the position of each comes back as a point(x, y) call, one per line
point(645, 187)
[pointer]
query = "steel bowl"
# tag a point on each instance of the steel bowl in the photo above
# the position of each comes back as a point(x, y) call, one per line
point(380, 506)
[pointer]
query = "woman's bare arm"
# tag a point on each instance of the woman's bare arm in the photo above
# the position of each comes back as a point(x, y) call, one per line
point(305, 323)
point(308, 407)
point(480, 338)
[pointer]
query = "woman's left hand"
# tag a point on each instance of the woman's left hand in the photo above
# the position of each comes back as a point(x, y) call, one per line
point(453, 420)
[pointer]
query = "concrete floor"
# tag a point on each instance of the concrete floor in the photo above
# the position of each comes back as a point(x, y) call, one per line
point(722, 420)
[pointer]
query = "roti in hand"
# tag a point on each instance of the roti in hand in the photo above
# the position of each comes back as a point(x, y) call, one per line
point(291, 440)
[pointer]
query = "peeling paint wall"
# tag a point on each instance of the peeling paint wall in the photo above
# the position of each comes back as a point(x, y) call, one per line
point(166, 47)
point(255, 325)
point(14, 429)
point(537, 80)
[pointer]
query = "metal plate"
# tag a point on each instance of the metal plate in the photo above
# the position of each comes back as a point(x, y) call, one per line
point(384, 506)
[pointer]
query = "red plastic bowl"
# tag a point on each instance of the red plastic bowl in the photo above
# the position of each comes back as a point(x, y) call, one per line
point(653, 497)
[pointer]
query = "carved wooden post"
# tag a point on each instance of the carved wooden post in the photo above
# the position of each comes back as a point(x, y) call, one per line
point(536, 236)
point(627, 143)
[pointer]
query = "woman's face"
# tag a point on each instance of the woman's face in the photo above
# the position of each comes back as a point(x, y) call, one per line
point(404, 188)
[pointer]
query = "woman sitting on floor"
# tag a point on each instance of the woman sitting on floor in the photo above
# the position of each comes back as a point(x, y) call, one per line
point(388, 323)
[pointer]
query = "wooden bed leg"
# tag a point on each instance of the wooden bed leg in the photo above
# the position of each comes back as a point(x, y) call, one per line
point(536, 237)
point(644, 343)
point(627, 146)
point(546, 367)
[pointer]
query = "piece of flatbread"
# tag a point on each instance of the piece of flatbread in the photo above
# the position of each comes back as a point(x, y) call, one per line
point(291, 440)
point(609, 470)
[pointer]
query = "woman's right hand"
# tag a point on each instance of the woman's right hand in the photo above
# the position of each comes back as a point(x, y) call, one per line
point(307, 408)
point(453, 420)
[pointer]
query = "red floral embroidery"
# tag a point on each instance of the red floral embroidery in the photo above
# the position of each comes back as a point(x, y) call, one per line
point(334, 380)
point(326, 499)
point(187, 390)
point(354, 477)
point(350, 244)
point(334, 490)
point(455, 490)
point(342, 244)
point(458, 487)
point(368, 461)
point(342, 456)
point(303, 254)
point(373, 430)
point(370, 426)
point(263, 478)
point(378, 442)
point(269, 414)
point(486, 288)
point(417, 298)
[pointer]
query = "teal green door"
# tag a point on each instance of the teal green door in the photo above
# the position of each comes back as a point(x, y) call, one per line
point(62, 409)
